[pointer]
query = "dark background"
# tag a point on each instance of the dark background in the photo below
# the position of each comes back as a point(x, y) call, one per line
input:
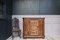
point(5, 19)
point(36, 7)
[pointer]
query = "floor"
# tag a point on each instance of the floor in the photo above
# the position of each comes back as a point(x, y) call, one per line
point(50, 37)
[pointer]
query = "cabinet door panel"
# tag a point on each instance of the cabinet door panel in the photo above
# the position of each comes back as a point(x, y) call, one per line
point(33, 27)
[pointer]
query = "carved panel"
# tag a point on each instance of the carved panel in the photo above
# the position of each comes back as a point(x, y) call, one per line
point(33, 27)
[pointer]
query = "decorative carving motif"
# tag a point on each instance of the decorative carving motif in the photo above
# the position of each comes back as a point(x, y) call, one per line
point(33, 27)
point(15, 27)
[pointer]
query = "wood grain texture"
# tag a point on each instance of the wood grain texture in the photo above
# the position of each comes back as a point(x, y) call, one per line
point(33, 27)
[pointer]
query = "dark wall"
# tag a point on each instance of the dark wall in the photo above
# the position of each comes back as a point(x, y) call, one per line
point(8, 7)
point(26, 7)
point(6, 21)
point(36, 7)
point(5, 29)
point(0, 9)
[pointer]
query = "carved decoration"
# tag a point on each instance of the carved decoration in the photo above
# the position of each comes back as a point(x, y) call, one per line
point(33, 27)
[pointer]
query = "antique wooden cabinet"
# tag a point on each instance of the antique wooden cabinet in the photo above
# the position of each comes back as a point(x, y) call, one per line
point(33, 27)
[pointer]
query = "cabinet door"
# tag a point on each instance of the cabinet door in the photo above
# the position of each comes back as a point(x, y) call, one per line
point(33, 27)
